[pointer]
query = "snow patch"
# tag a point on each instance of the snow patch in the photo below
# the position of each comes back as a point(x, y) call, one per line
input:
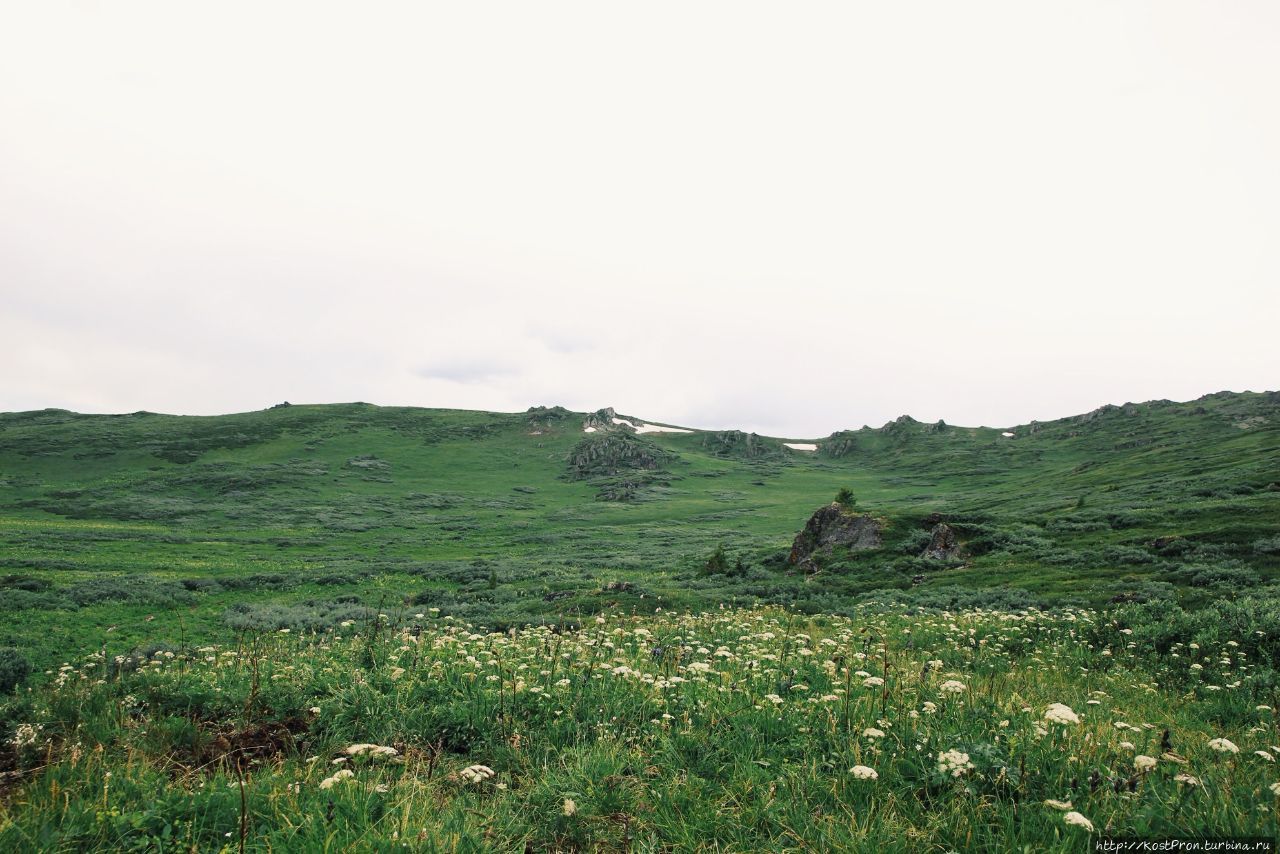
point(1007, 435)
point(650, 428)
point(588, 429)
point(801, 446)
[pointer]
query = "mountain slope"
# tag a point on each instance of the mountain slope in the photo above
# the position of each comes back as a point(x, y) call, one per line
point(298, 514)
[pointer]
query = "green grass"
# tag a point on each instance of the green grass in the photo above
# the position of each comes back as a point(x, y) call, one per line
point(124, 535)
point(735, 730)
point(417, 502)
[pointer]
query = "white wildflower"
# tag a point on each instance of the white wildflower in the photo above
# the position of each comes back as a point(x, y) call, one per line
point(954, 763)
point(1059, 714)
point(476, 773)
point(344, 774)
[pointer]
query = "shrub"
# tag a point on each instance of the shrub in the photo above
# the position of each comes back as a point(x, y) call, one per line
point(310, 615)
point(1225, 575)
point(130, 589)
point(1267, 545)
point(14, 669)
point(718, 563)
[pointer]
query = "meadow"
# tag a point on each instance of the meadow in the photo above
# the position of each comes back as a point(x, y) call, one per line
point(738, 730)
point(518, 635)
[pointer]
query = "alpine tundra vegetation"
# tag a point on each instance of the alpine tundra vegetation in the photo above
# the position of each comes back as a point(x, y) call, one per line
point(349, 627)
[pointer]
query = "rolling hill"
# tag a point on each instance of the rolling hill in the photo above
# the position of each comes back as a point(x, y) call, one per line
point(300, 515)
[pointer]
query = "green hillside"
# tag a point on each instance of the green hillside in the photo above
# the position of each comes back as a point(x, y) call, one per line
point(120, 529)
point(355, 628)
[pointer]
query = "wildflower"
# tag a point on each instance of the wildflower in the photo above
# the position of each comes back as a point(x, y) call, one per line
point(344, 774)
point(370, 749)
point(872, 732)
point(1059, 714)
point(1076, 820)
point(1187, 779)
point(872, 682)
point(1265, 755)
point(1142, 764)
point(25, 735)
point(952, 686)
point(570, 808)
point(1127, 745)
point(1223, 745)
point(862, 772)
point(476, 773)
point(1058, 805)
point(1275, 788)
point(397, 673)
point(954, 763)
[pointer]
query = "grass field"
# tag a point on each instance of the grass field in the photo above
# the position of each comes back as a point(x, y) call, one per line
point(211, 602)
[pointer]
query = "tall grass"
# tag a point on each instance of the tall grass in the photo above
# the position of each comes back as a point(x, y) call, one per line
point(734, 730)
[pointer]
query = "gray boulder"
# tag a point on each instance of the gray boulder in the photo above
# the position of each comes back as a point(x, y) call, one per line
point(943, 543)
point(833, 526)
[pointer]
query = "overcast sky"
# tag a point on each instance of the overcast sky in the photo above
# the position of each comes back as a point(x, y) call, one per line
point(792, 218)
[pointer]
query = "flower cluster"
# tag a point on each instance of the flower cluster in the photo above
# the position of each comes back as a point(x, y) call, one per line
point(954, 763)
point(476, 773)
point(1057, 713)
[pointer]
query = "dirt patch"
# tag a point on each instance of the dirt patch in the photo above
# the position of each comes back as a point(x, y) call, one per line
point(238, 749)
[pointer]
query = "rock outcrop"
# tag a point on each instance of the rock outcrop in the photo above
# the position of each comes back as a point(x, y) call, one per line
point(842, 443)
point(943, 544)
point(600, 421)
point(613, 454)
point(833, 526)
point(747, 446)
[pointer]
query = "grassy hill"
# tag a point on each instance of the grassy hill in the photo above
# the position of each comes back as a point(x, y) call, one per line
point(510, 630)
point(299, 515)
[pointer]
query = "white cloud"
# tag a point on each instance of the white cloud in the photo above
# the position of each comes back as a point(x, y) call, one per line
point(785, 219)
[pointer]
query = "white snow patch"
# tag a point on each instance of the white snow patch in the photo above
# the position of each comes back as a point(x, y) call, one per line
point(1007, 435)
point(588, 429)
point(650, 428)
point(801, 446)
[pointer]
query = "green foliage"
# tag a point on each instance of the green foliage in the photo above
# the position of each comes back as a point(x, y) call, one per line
point(845, 498)
point(614, 453)
point(14, 669)
point(740, 730)
point(718, 563)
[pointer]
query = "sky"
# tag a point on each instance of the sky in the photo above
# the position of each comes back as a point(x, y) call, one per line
point(788, 218)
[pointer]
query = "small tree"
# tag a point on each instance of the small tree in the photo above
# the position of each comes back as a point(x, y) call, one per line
point(718, 563)
point(845, 498)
